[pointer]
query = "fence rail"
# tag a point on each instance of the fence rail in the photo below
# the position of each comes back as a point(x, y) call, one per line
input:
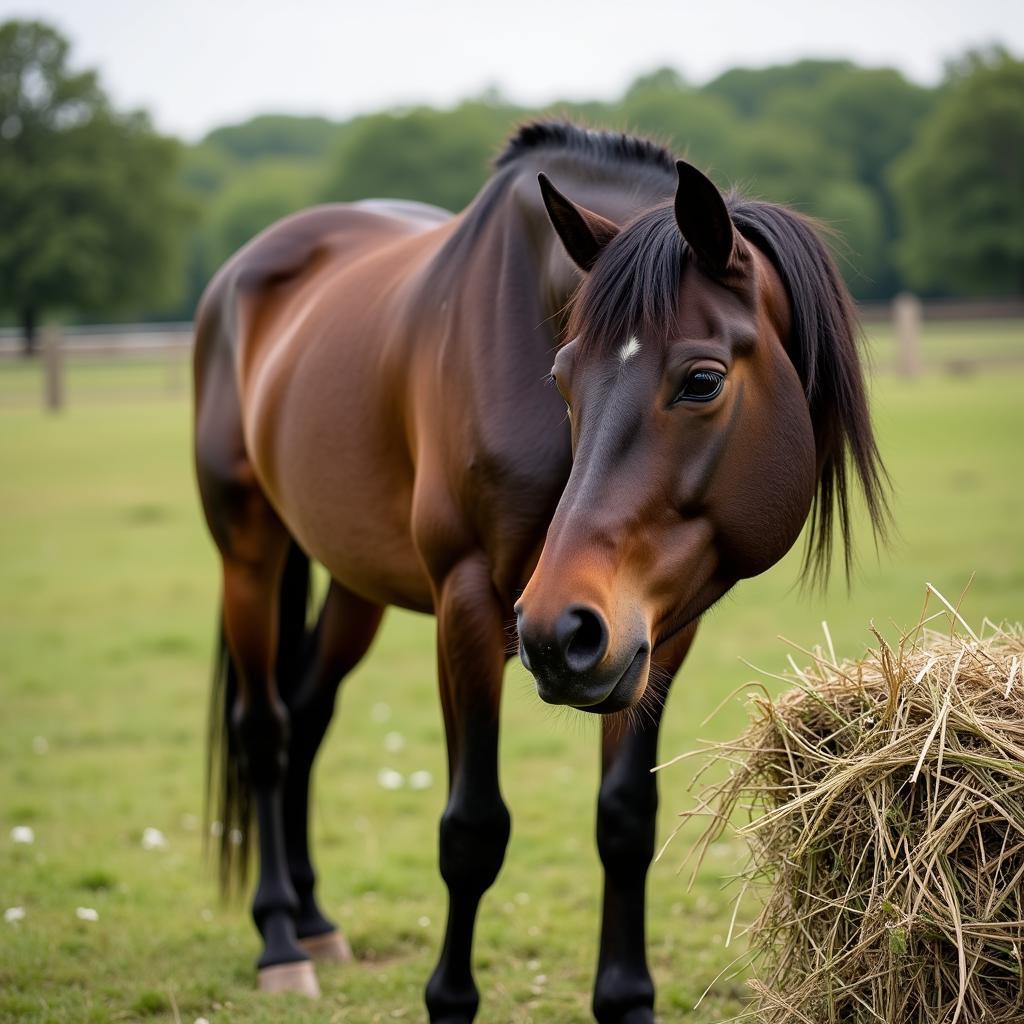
point(946, 310)
point(109, 339)
point(100, 362)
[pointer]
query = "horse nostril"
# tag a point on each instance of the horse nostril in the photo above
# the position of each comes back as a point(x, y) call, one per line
point(582, 638)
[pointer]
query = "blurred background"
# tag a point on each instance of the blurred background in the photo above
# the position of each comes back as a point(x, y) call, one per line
point(140, 145)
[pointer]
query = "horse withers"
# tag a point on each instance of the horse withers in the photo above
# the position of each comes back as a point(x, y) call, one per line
point(375, 391)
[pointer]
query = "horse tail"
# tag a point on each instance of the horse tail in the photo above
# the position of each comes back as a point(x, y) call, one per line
point(229, 805)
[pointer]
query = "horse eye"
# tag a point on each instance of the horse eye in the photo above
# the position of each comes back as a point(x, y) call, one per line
point(701, 386)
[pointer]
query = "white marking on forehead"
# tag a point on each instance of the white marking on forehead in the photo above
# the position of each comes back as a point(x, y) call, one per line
point(629, 350)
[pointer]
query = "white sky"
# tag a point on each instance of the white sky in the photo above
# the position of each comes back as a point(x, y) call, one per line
point(195, 64)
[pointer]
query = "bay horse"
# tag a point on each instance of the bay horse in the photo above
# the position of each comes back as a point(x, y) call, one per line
point(374, 390)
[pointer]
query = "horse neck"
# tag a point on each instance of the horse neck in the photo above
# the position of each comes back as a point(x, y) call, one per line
point(516, 280)
point(513, 283)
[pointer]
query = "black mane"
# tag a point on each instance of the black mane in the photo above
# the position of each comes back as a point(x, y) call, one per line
point(634, 288)
point(607, 146)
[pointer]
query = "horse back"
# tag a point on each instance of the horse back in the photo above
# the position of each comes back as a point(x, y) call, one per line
point(289, 253)
point(299, 357)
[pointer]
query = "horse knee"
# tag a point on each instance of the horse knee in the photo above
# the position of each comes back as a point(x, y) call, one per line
point(626, 813)
point(472, 845)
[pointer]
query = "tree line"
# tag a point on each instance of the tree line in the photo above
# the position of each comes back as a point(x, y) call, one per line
point(103, 217)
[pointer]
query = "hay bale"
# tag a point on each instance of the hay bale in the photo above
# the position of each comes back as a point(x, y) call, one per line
point(886, 834)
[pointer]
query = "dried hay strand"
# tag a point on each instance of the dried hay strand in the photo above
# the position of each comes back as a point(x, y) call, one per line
point(885, 824)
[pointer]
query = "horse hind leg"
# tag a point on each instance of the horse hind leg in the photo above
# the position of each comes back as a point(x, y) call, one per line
point(345, 629)
point(254, 548)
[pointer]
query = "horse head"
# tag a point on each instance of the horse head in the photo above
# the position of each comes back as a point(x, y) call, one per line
point(716, 402)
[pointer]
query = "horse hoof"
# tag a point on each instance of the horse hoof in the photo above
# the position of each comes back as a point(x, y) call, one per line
point(299, 976)
point(331, 947)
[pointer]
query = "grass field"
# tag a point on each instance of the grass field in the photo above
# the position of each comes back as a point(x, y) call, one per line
point(107, 602)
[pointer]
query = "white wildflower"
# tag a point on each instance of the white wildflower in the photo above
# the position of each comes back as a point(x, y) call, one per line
point(380, 712)
point(421, 779)
point(23, 834)
point(394, 742)
point(87, 914)
point(12, 915)
point(388, 778)
point(153, 839)
point(424, 921)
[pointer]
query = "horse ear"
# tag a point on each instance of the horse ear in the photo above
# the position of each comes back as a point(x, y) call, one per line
point(703, 219)
point(583, 232)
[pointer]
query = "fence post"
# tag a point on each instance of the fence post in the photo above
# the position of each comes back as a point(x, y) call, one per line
point(53, 369)
point(906, 315)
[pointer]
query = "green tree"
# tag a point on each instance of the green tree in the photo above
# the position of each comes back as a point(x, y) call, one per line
point(786, 163)
point(961, 185)
point(697, 124)
point(277, 135)
point(435, 156)
point(870, 115)
point(206, 170)
point(850, 211)
point(863, 118)
point(751, 90)
point(91, 211)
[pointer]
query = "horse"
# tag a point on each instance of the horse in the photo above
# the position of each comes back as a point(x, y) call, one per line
point(576, 420)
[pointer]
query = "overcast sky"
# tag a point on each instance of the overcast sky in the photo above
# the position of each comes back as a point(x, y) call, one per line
point(195, 64)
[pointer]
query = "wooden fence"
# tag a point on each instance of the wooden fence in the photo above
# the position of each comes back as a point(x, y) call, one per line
point(147, 360)
point(909, 337)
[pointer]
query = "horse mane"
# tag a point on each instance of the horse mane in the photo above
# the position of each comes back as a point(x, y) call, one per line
point(634, 288)
point(607, 146)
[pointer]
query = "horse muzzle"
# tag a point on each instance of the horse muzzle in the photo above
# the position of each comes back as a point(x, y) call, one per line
point(569, 656)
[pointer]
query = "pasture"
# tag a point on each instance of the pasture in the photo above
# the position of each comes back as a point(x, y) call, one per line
point(108, 592)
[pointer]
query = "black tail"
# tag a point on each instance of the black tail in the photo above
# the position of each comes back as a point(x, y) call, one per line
point(228, 809)
point(229, 806)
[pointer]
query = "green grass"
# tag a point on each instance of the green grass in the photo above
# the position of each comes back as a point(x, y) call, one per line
point(107, 602)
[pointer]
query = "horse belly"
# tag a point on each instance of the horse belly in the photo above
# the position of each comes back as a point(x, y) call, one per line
point(347, 503)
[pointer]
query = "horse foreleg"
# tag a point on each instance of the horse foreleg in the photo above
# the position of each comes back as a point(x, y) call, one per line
point(345, 629)
point(627, 809)
point(475, 824)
